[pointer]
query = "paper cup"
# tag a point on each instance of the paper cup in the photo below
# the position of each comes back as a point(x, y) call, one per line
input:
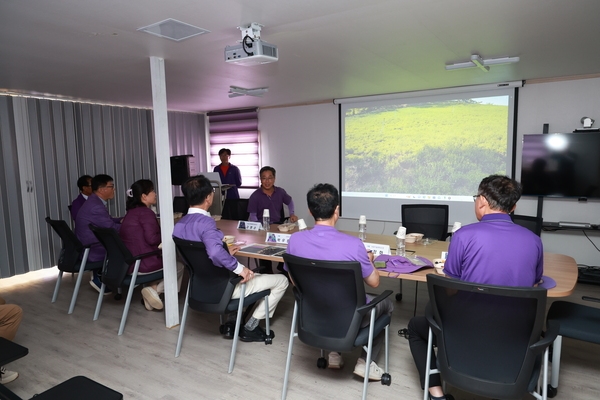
point(438, 264)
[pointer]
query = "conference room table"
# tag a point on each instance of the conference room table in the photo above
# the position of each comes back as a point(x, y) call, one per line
point(561, 268)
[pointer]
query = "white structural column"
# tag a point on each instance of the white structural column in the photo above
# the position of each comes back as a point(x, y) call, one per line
point(165, 200)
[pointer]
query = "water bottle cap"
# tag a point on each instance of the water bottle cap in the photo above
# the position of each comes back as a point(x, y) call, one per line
point(266, 213)
point(362, 219)
point(301, 224)
point(456, 226)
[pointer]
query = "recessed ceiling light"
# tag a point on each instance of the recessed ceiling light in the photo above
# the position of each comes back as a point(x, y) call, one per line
point(172, 29)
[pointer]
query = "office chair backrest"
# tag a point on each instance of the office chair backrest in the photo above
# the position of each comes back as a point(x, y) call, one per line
point(118, 257)
point(534, 224)
point(211, 287)
point(235, 209)
point(428, 219)
point(180, 205)
point(484, 334)
point(72, 249)
point(328, 295)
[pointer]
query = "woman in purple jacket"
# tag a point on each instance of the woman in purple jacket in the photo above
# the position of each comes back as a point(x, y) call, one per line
point(140, 232)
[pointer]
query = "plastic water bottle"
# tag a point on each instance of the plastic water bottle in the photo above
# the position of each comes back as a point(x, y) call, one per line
point(455, 227)
point(266, 219)
point(362, 228)
point(401, 241)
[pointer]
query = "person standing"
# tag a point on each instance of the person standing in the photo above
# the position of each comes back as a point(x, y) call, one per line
point(84, 183)
point(229, 173)
point(493, 251)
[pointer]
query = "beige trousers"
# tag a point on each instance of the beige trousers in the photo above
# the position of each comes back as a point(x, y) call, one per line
point(10, 319)
point(278, 283)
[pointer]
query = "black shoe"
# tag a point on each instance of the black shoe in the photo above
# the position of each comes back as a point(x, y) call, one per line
point(257, 334)
point(227, 330)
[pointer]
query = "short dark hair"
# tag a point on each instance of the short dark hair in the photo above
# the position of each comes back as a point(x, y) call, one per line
point(224, 150)
point(267, 168)
point(501, 192)
point(196, 189)
point(143, 186)
point(83, 181)
point(100, 181)
point(322, 200)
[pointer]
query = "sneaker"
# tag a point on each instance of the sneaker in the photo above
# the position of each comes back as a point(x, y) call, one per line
point(374, 371)
point(7, 376)
point(147, 305)
point(96, 284)
point(257, 334)
point(152, 298)
point(227, 329)
point(335, 360)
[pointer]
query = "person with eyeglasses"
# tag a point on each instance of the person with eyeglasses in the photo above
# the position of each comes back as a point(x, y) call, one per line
point(84, 183)
point(94, 211)
point(493, 251)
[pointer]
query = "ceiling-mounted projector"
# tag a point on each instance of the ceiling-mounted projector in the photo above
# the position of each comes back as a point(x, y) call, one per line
point(251, 50)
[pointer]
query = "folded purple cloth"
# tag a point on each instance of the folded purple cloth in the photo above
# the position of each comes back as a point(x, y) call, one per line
point(403, 265)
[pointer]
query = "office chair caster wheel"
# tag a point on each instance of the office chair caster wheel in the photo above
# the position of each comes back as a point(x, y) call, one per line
point(322, 363)
point(386, 379)
point(268, 340)
point(118, 296)
point(552, 391)
point(398, 296)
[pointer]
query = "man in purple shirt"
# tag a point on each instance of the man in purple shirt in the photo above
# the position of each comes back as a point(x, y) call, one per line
point(84, 183)
point(271, 197)
point(198, 226)
point(494, 251)
point(94, 211)
point(324, 242)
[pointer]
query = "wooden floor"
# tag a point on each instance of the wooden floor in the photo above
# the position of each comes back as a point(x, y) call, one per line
point(141, 363)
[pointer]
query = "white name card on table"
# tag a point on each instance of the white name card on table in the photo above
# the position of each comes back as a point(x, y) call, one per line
point(273, 237)
point(378, 249)
point(249, 226)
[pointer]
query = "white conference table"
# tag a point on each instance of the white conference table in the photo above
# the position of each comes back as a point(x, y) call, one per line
point(561, 268)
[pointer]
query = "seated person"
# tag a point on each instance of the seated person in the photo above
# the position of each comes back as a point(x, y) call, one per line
point(140, 232)
point(198, 226)
point(10, 319)
point(84, 183)
point(271, 197)
point(494, 251)
point(94, 211)
point(325, 242)
point(229, 173)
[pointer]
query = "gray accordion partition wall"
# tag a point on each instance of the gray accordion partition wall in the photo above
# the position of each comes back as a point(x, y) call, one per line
point(45, 145)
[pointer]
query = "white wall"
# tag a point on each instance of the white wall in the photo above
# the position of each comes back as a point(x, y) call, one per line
point(301, 143)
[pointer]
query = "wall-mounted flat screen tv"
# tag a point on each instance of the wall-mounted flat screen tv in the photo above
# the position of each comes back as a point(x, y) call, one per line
point(561, 165)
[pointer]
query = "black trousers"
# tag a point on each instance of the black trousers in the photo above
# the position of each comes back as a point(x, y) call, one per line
point(418, 331)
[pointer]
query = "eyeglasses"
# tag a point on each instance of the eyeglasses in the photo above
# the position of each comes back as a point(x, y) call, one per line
point(475, 196)
point(110, 186)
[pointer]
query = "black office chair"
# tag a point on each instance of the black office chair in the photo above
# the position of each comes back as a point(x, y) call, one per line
point(330, 305)
point(210, 289)
point(429, 219)
point(73, 258)
point(76, 388)
point(180, 205)
point(235, 209)
point(576, 321)
point(489, 338)
point(116, 265)
point(534, 224)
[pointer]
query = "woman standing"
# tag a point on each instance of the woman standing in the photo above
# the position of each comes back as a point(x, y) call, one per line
point(229, 173)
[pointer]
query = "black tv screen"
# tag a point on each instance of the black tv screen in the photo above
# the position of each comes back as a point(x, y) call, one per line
point(561, 165)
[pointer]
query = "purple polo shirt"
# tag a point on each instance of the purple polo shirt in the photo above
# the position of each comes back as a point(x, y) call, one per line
point(495, 251)
point(259, 201)
point(198, 226)
point(328, 244)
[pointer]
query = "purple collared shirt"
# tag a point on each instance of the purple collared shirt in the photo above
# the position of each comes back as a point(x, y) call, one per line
point(328, 244)
point(259, 201)
point(93, 211)
point(198, 226)
point(495, 251)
